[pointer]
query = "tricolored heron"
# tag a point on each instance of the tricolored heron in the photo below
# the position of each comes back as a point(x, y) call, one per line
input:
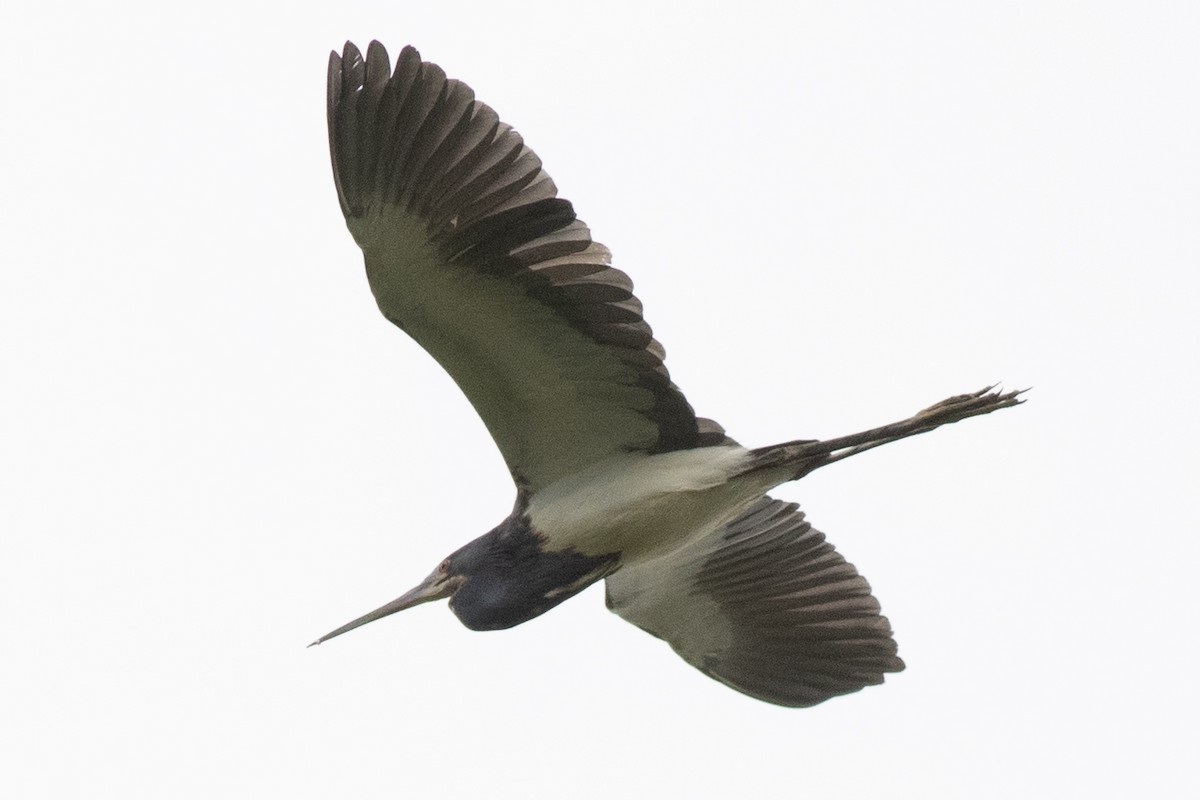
point(471, 252)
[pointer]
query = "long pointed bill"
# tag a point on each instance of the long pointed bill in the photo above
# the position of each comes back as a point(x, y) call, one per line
point(434, 587)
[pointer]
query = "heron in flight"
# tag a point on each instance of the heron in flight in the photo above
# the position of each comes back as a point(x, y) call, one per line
point(470, 251)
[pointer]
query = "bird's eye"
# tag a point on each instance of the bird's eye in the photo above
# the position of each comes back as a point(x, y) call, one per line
point(444, 567)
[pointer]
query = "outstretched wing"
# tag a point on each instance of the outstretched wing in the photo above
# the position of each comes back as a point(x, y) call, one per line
point(470, 251)
point(764, 605)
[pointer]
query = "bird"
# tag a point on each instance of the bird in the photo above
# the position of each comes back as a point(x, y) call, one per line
point(470, 251)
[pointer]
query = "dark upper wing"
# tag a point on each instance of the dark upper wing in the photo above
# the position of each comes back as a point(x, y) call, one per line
point(470, 251)
point(764, 605)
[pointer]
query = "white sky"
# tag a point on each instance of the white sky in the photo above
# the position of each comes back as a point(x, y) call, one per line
point(213, 448)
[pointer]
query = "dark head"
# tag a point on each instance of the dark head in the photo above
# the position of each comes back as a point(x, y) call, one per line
point(499, 580)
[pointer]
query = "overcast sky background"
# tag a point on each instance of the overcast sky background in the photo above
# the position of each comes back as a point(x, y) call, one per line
point(214, 449)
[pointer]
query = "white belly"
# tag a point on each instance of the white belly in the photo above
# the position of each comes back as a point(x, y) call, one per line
point(644, 505)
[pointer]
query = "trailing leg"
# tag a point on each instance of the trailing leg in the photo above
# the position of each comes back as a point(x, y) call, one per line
point(804, 456)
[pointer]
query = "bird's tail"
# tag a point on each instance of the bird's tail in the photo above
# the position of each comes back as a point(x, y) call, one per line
point(797, 459)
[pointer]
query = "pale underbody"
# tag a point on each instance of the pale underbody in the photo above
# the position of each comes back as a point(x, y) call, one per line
point(646, 506)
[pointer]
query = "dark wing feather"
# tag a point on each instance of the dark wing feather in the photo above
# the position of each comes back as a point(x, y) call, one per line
point(470, 250)
point(764, 605)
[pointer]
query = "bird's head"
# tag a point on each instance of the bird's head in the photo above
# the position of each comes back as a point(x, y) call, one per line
point(499, 580)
